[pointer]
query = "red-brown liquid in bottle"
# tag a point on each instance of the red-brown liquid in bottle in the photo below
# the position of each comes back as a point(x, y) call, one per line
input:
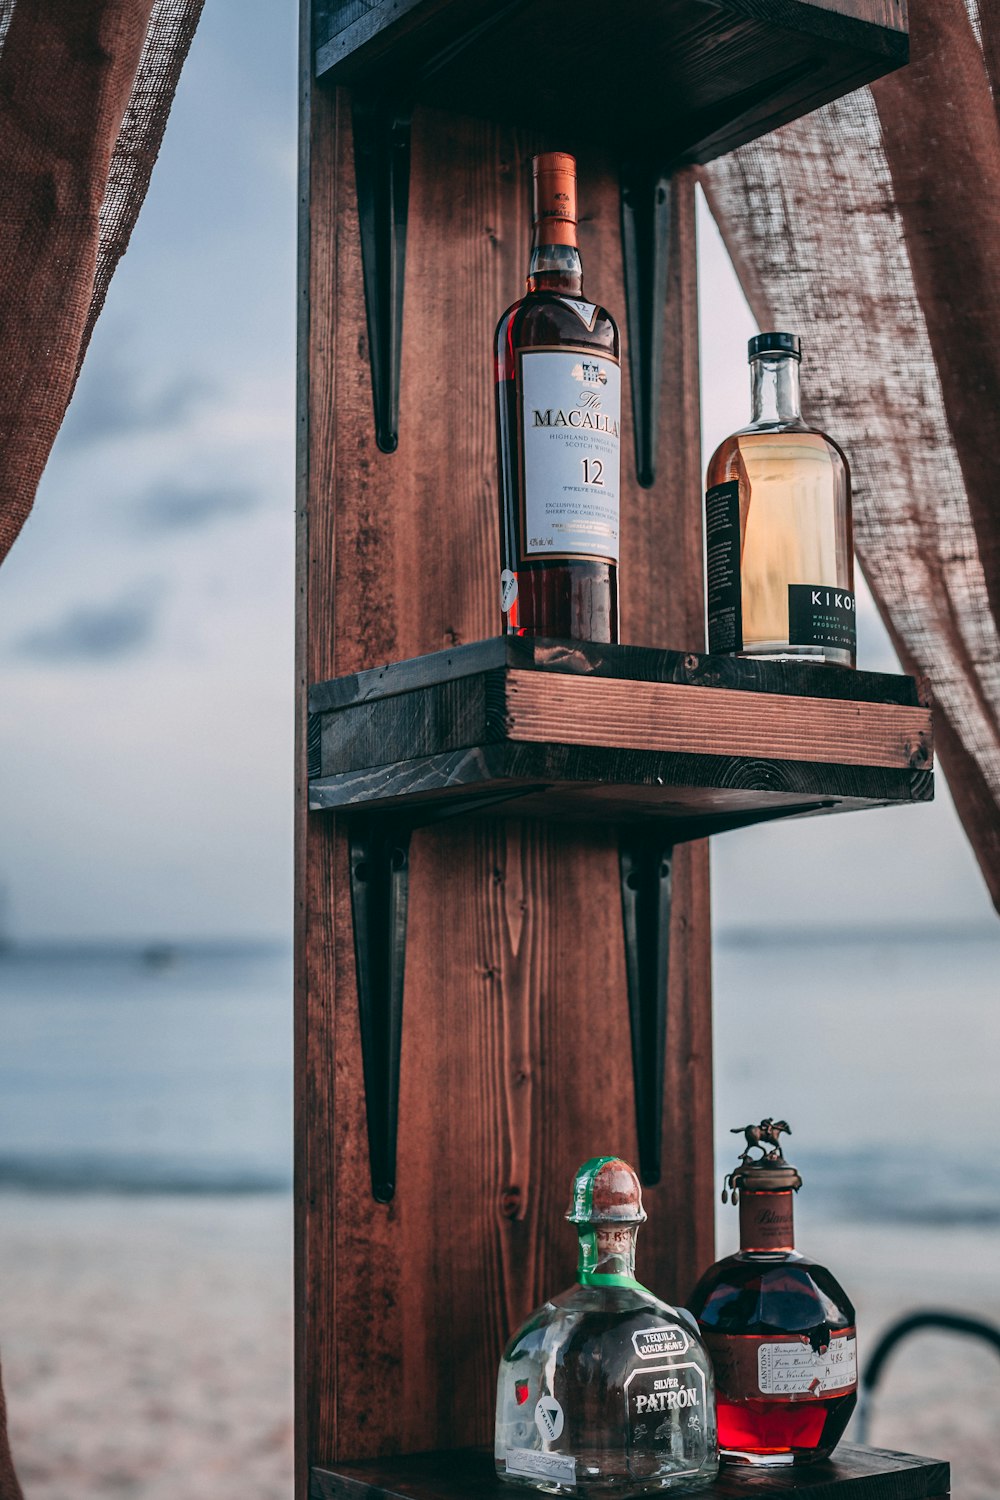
point(573, 597)
point(769, 1297)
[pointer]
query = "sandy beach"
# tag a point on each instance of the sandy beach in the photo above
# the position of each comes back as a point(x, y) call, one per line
point(146, 1344)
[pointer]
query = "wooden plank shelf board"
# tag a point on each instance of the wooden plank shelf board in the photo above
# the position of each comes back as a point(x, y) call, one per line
point(565, 730)
point(467, 1474)
point(698, 77)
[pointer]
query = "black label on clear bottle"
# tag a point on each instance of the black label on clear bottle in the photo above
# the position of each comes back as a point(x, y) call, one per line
point(722, 549)
point(821, 616)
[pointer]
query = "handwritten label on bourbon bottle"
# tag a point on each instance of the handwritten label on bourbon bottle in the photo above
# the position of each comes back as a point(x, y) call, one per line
point(753, 1366)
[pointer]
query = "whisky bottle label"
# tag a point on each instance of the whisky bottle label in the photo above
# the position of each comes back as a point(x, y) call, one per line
point(747, 1366)
point(533, 1463)
point(821, 616)
point(570, 401)
point(722, 549)
point(585, 311)
point(667, 1416)
point(767, 1221)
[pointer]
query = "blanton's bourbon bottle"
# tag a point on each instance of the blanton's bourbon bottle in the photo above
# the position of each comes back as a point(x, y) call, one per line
point(779, 1328)
point(558, 434)
point(606, 1389)
point(778, 526)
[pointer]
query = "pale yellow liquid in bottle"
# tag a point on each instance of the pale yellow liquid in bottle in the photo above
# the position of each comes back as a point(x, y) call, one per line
point(795, 527)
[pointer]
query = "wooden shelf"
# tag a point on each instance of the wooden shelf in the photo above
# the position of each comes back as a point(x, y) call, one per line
point(698, 77)
point(616, 733)
point(467, 1474)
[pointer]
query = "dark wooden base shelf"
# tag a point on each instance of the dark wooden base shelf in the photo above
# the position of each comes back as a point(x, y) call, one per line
point(618, 733)
point(467, 1474)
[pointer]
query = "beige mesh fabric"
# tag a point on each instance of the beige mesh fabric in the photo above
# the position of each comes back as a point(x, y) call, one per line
point(169, 35)
point(85, 90)
point(872, 227)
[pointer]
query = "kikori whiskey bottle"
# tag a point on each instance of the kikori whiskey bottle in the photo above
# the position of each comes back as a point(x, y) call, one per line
point(778, 533)
point(606, 1389)
point(558, 405)
point(779, 1328)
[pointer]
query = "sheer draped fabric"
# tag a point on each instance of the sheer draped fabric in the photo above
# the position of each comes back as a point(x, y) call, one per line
point(873, 228)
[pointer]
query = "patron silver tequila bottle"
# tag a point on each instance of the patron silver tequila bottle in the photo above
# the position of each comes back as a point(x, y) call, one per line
point(606, 1389)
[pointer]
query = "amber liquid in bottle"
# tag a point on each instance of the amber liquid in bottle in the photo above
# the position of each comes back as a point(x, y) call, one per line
point(558, 409)
point(778, 531)
point(781, 1333)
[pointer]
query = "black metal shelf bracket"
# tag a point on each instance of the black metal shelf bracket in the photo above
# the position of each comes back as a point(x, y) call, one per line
point(379, 853)
point(646, 215)
point(380, 881)
point(646, 866)
point(381, 124)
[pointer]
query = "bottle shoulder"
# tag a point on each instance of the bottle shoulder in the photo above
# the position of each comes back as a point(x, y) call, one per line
point(730, 459)
point(544, 319)
point(588, 1312)
point(748, 1291)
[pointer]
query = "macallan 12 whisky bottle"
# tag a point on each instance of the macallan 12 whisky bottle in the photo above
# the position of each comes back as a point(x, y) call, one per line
point(606, 1389)
point(779, 1328)
point(558, 434)
point(778, 531)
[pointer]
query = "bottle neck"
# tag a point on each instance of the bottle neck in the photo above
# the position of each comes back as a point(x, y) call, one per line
point(607, 1255)
point(774, 389)
point(767, 1221)
point(555, 268)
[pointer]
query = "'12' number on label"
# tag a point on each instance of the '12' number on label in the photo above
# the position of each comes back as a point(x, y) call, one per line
point(593, 468)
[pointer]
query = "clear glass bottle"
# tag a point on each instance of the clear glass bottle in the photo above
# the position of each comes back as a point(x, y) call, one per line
point(778, 533)
point(606, 1389)
point(779, 1328)
point(558, 412)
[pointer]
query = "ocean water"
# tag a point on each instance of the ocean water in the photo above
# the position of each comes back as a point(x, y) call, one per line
point(170, 1070)
point(882, 1050)
point(165, 1070)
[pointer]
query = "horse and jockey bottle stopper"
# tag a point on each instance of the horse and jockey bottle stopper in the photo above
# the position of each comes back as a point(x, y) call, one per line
point(779, 1328)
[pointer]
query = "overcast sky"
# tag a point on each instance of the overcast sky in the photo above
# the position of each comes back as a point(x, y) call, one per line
point(146, 611)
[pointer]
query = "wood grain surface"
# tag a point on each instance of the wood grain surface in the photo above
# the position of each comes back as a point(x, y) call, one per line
point(515, 1057)
point(637, 663)
point(566, 782)
point(654, 716)
point(698, 77)
point(852, 1474)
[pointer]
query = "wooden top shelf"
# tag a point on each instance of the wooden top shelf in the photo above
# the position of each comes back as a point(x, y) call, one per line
point(698, 77)
point(852, 1474)
point(567, 730)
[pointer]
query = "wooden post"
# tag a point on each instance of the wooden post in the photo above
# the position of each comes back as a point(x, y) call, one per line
point(516, 1054)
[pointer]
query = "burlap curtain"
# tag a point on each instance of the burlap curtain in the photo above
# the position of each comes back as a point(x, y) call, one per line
point(85, 90)
point(873, 227)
